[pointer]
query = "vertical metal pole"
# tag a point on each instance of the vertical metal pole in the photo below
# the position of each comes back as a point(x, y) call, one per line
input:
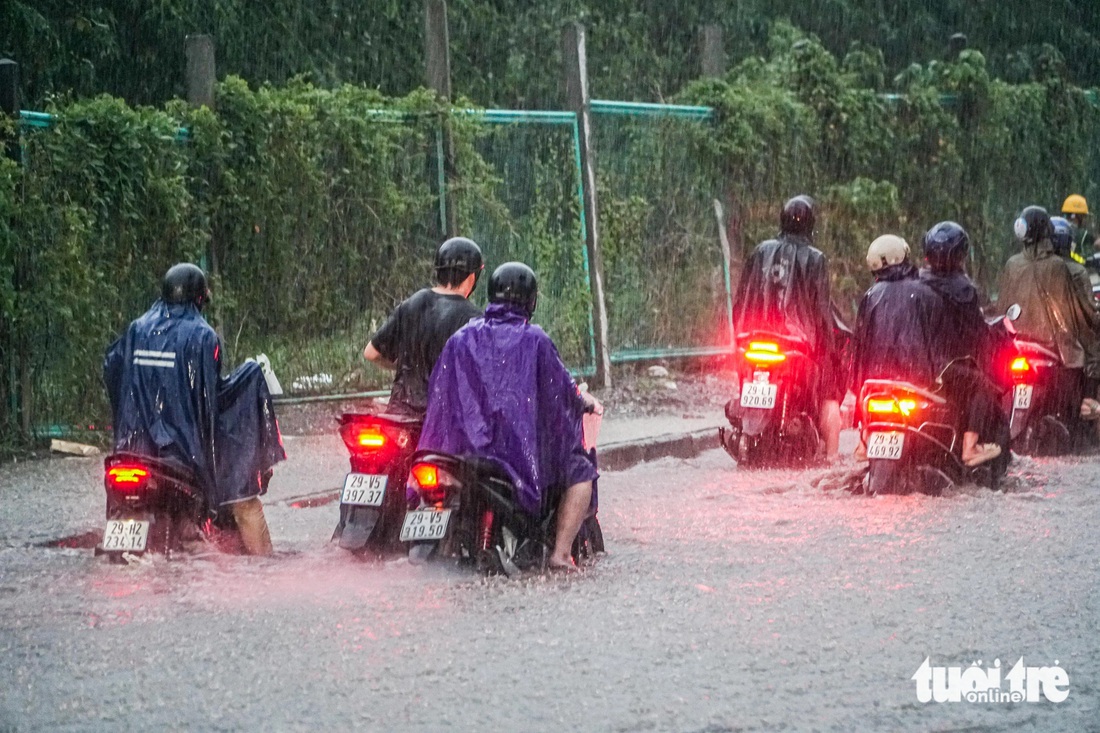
point(437, 62)
point(584, 233)
point(576, 86)
point(712, 50)
point(723, 240)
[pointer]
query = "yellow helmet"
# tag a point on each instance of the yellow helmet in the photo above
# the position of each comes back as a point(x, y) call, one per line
point(1075, 204)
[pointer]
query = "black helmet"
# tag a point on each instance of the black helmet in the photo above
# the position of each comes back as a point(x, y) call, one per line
point(1061, 235)
point(514, 282)
point(797, 216)
point(456, 259)
point(1033, 225)
point(185, 283)
point(946, 247)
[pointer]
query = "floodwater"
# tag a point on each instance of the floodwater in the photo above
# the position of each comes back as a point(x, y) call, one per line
point(728, 601)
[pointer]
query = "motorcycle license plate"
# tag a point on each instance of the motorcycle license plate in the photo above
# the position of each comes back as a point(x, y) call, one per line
point(759, 395)
point(425, 524)
point(125, 535)
point(1021, 397)
point(364, 489)
point(886, 445)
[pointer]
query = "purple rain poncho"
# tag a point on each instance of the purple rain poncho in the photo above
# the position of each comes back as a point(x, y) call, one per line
point(500, 391)
point(168, 399)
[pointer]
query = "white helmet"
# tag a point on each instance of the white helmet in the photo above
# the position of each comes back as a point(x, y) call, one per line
point(889, 249)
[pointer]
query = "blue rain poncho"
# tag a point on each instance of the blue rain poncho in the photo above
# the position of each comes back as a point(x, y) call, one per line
point(163, 378)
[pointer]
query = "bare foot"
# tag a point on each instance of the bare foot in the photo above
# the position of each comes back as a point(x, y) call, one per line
point(981, 454)
point(567, 565)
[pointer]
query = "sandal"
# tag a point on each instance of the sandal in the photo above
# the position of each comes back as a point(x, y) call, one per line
point(1090, 409)
point(982, 454)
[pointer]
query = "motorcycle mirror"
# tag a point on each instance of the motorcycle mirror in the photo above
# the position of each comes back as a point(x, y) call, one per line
point(1011, 315)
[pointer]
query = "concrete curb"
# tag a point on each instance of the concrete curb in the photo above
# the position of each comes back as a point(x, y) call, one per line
point(629, 453)
point(612, 457)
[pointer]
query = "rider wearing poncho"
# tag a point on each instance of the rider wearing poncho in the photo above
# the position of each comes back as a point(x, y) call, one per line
point(784, 289)
point(163, 378)
point(500, 391)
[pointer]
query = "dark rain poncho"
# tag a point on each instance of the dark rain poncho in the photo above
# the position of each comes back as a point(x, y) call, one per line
point(1054, 311)
point(897, 330)
point(500, 391)
point(784, 289)
point(962, 331)
point(168, 401)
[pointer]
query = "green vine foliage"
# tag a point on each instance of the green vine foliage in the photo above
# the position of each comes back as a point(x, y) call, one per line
point(957, 144)
point(101, 197)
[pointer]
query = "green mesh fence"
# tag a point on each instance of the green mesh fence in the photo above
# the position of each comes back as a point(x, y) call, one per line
point(336, 259)
point(667, 282)
point(531, 211)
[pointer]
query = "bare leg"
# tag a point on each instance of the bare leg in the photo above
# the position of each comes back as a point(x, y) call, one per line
point(861, 447)
point(571, 512)
point(970, 443)
point(252, 526)
point(830, 428)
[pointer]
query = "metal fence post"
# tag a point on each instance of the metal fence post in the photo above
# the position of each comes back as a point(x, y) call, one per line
point(201, 70)
point(576, 88)
point(201, 77)
point(437, 63)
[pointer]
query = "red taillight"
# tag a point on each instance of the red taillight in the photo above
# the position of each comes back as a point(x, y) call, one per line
point(1020, 365)
point(127, 476)
point(364, 438)
point(426, 475)
point(881, 406)
point(370, 437)
point(764, 352)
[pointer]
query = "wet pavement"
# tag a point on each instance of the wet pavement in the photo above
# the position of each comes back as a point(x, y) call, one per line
point(728, 600)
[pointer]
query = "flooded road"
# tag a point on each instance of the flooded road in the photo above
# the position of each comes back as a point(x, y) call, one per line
point(728, 601)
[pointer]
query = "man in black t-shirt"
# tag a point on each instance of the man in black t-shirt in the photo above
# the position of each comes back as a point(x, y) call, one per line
point(412, 338)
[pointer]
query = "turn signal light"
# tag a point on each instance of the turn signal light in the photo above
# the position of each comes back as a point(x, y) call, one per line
point(127, 476)
point(763, 352)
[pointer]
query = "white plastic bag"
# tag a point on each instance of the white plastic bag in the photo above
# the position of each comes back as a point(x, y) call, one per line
point(273, 385)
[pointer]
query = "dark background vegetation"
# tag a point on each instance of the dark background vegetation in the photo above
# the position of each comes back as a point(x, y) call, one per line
point(506, 52)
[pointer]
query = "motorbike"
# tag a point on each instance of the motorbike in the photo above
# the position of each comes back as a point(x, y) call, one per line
point(913, 433)
point(774, 420)
point(153, 505)
point(1039, 424)
point(467, 510)
point(913, 438)
point(372, 500)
